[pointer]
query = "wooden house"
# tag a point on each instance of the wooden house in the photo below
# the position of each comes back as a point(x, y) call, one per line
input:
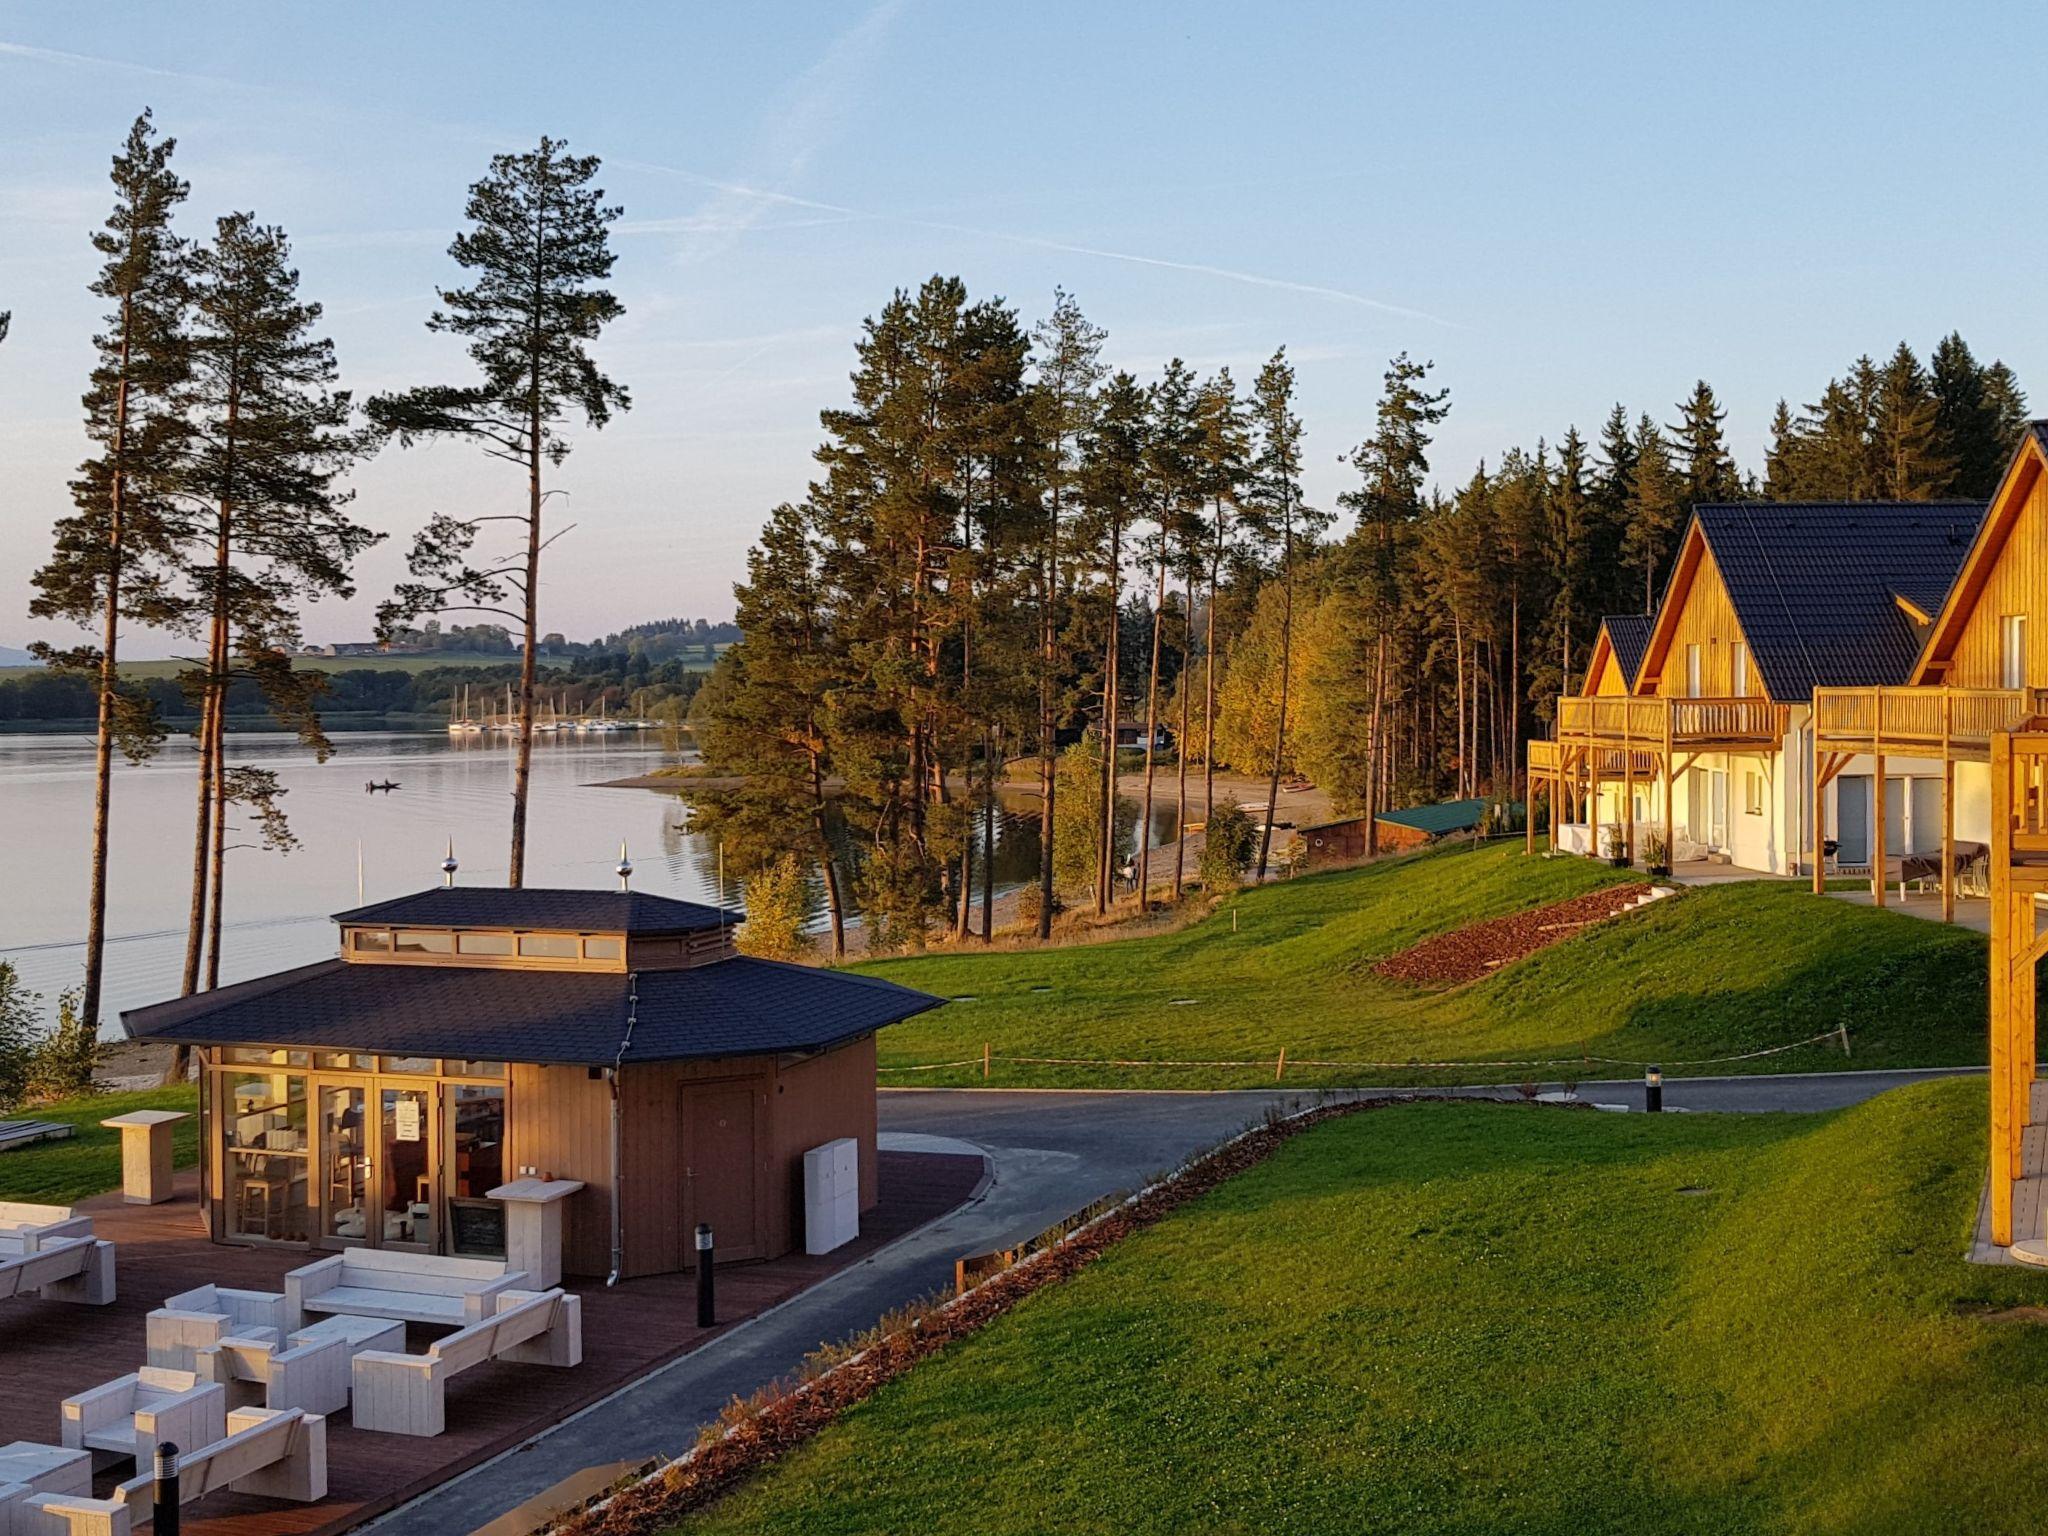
point(1711, 745)
point(464, 1038)
point(1982, 669)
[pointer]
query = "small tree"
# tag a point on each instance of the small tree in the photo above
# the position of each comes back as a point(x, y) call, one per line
point(64, 1061)
point(1229, 845)
point(1080, 819)
point(778, 897)
point(19, 1010)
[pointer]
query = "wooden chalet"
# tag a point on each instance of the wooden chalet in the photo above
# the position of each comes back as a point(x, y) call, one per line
point(466, 1038)
point(1709, 743)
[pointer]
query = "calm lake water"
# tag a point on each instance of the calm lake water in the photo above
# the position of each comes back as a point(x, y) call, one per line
point(278, 906)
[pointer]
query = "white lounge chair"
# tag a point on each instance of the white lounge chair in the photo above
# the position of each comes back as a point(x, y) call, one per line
point(270, 1454)
point(23, 1227)
point(197, 1319)
point(415, 1287)
point(131, 1415)
point(79, 1269)
point(408, 1394)
point(312, 1376)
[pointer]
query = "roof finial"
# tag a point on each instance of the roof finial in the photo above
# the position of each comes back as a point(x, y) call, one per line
point(625, 867)
point(448, 865)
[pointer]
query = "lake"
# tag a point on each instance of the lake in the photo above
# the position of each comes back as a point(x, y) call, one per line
point(278, 906)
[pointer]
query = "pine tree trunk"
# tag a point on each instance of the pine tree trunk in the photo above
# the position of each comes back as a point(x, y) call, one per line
point(1111, 685)
point(828, 863)
point(202, 841)
point(1180, 746)
point(1376, 749)
point(215, 898)
point(1209, 674)
point(1048, 724)
point(522, 760)
point(991, 754)
point(1458, 652)
point(1151, 735)
point(1286, 680)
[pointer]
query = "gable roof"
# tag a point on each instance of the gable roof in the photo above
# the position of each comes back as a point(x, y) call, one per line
point(2007, 503)
point(737, 1007)
point(1815, 584)
point(481, 906)
point(1626, 636)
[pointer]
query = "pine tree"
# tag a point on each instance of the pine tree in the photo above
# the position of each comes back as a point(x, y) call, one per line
point(1068, 372)
point(266, 525)
point(1781, 458)
point(1222, 441)
point(110, 552)
point(1701, 450)
point(1656, 512)
point(539, 246)
point(1173, 493)
point(1911, 462)
point(1607, 514)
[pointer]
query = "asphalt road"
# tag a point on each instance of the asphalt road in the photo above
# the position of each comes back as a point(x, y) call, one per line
point(1049, 1154)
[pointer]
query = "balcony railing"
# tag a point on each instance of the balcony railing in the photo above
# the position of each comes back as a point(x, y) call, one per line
point(1920, 718)
point(1650, 721)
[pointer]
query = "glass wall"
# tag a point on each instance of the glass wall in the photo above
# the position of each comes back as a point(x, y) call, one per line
point(268, 1192)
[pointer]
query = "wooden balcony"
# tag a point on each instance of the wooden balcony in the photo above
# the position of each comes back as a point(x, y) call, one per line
point(1652, 724)
point(1544, 755)
point(1918, 722)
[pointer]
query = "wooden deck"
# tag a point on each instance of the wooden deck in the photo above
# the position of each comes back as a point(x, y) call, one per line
point(49, 1350)
point(2029, 1190)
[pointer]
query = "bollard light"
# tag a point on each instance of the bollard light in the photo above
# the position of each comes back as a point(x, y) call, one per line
point(1653, 1090)
point(164, 1514)
point(707, 1305)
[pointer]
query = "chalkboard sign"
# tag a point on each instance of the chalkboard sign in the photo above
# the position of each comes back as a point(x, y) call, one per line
point(477, 1228)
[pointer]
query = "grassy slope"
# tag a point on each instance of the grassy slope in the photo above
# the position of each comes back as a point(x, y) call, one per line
point(1711, 973)
point(60, 1172)
point(1494, 1319)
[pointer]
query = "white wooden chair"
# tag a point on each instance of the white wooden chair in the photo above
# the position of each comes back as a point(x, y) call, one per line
point(79, 1269)
point(24, 1227)
point(269, 1454)
point(414, 1287)
point(198, 1319)
point(408, 1394)
point(312, 1376)
point(131, 1415)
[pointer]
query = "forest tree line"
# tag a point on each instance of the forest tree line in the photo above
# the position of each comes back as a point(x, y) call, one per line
point(1011, 550)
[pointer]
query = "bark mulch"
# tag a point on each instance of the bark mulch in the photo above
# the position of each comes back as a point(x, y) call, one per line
point(781, 1418)
point(1483, 948)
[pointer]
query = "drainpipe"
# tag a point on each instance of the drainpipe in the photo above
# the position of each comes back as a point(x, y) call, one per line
point(625, 1044)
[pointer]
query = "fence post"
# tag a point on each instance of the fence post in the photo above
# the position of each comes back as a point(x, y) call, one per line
point(984, 1060)
point(1280, 1066)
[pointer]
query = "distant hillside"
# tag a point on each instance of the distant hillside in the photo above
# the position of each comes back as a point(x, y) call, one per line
point(14, 656)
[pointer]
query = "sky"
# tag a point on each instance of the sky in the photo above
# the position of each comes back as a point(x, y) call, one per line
point(1560, 206)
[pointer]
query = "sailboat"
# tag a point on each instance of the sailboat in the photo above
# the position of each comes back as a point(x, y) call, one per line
point(462, 725)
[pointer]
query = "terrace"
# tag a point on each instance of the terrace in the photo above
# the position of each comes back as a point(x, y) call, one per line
point(1948, 723)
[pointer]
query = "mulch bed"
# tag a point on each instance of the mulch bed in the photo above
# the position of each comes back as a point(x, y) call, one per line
point(781, 1418)
point(1484, 948)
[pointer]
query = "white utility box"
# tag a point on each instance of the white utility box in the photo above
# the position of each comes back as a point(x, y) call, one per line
point(831, 1195)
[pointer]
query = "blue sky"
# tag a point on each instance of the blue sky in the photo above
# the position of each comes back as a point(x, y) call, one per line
point(1563, 206)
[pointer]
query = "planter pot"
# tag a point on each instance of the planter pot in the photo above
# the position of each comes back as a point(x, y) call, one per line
point(1618, 862)
point(1661, 869)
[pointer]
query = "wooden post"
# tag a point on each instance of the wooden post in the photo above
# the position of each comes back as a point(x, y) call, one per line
point(1557, 796)
point(1280, 1066)
point(1628, 786)
point(2001, 1174)
point(1529, 811)
point(1593, 803)
point(1877, 834)
point(984, 1060)
point(1820, 805)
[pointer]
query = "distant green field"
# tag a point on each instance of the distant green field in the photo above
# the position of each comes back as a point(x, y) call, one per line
point(1715, 972)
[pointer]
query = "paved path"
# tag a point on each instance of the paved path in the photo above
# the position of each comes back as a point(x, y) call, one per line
point(1049, 1154)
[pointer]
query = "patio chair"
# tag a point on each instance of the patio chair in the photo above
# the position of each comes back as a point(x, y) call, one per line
point(131, 1415)
point(200, 1318)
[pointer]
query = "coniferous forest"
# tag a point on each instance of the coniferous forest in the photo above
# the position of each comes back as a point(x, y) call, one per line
point(1013, 552)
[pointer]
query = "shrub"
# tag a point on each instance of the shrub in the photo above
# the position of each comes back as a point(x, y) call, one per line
point(19, 1008)
point(61, 1064)
point(1027, 904)
point(778, 897)
point(1229, 844)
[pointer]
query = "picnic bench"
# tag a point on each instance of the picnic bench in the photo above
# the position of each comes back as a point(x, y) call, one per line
point(174, 1333)
point(131, 1415)
point(26, 1133)
point(78, 1269)
point(402, 1394)
point(413, 1287)
point(24, 1227)
point(279, 1455)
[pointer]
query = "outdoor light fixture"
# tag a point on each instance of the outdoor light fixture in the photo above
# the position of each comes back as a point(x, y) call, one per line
point(707, 1307)
point(1653, 1089)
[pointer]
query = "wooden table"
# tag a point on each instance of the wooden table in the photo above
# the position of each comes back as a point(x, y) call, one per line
point(146, 1153)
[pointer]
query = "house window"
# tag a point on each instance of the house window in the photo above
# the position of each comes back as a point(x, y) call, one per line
point(604, 949)
point(1738, 660)
point(1692, 671)
point(483, 943)
point(1752, 792)
point(548, 946)
point(425, 942)
point(370, 941)
point(2012, 651)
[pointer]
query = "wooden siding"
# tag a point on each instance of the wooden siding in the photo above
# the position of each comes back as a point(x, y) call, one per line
point(819, 1099)
point(559, 1121)
point(1705, 618)
point(1607, 676)
point(2017, 582)
point(680, 952)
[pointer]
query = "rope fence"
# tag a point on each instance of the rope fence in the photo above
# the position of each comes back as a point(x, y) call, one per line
point(989, 1058)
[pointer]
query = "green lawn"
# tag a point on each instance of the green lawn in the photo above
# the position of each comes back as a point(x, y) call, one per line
point(1464, 1318)
point(89, 1162)
point(1715, 972)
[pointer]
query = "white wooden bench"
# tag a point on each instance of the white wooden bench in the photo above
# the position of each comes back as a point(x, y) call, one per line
point(24, 1227)
point(408, 1394)
point(266, 1453)
point(198, 1319)
point(414, 1287)
point(131, 1415)
point(312, 1375)
point(79, 1269)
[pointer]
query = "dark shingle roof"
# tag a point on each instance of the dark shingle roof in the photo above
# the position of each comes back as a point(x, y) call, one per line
point(483, 906)
point(738, 1007)
point(1446, 816)
point(1815, 584)
point(1628, 634)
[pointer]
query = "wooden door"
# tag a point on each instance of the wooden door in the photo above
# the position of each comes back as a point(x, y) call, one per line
point(720, 1178)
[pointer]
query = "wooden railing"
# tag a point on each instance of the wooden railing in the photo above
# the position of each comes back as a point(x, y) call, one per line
point(1917, 717)
point(1543, 755)
point(1646, 721)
